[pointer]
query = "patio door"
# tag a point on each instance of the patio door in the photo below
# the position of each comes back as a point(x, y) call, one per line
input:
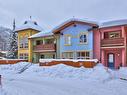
point(111, 60)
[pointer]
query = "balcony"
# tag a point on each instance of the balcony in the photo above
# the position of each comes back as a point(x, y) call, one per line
point(45, 48)
point(112, 42)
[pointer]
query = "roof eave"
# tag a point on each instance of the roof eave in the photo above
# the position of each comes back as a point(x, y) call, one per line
point(57, 30)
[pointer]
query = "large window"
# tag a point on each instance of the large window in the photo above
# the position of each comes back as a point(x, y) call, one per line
point(23, 41)
point(111, 35)
point(83, 38)
point(67, 55)
point(114, 35)
point(26, 41)
point(23, 56)
point(67, 39)
point(83, 55)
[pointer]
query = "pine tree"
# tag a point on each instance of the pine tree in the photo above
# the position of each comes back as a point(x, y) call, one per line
point(13, 47)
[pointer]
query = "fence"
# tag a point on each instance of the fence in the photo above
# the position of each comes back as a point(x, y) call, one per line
point(11, 61)
point(70, 62)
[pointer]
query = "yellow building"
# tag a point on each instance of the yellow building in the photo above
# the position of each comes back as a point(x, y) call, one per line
point(25, 48)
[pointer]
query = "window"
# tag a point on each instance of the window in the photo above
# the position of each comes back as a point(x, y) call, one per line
point(49, 41)
point(114, 35)
point(38, 42)
point(23, 41)
point(111, 35)
point(67, 55)
point(20, 42)
point(23, 56)
point(83, 55)
point(82, 38)
point(67, 39)
point(21, 45)
point(26, 41)
point(42, 56)
point(26, 45)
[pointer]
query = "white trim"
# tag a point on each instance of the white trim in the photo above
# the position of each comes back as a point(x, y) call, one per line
point(114, 47)
point(44, 51)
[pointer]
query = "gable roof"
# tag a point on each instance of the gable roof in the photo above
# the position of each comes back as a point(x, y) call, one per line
point(113, 23)
point(71, 22)
point(29, 25)
point(41, 34)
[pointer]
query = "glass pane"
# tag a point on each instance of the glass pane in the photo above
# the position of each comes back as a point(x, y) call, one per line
point(82, 38)
point(111, 58)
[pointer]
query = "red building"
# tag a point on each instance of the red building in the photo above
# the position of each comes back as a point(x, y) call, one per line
point(110, 43)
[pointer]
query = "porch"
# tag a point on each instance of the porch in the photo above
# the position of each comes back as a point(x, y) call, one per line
point(113, 57)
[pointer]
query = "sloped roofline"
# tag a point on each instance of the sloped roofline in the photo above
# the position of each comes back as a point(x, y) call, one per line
point(73, 21)
point(113, 23)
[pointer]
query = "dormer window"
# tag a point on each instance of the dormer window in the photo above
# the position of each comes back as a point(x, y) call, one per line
point(25, 22)
point(35, 23)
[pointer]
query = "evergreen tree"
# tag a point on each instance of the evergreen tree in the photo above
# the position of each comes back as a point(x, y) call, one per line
point(13, 46)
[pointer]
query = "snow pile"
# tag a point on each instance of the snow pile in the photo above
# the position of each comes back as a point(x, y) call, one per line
point(100, 73)
point(13, 68)
point(58, 71)
point(122, 72)
point(64, 71)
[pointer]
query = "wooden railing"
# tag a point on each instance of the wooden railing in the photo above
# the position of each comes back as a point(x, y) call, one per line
point(112, 42)
point(45, 47)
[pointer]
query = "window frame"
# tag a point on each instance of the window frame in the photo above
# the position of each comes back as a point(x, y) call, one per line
point(67, 55)
point(66, 37)
point(83, 33)
point(86, 55)
point(23, 56)
point(117, 32)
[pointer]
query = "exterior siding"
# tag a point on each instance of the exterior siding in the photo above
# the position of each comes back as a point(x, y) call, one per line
point(96, 41)
point(111, 47)
point(28, 32)
point(75, 45)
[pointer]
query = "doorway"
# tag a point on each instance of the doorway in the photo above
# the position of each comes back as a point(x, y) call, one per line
point(111, 60)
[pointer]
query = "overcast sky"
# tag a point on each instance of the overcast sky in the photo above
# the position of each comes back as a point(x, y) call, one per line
point(50, 13)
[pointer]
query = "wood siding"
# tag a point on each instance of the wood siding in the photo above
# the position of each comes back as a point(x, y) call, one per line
point(44, 47)
point(112, 42)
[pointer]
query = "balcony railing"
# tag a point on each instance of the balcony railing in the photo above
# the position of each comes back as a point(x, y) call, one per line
point(112, 42)
point(44, 47)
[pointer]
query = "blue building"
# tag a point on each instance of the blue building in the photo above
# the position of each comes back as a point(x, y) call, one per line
point(75, 39)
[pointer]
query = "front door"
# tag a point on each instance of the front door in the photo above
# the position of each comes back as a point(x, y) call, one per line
point(111, 60)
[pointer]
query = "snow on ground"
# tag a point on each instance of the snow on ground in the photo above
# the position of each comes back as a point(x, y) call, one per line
point(61, 80)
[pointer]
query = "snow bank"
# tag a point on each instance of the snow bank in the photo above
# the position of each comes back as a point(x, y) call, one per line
point(63, 71)
point(122, 72)
point(13, 68)
point(100, 73)
point(58, 71)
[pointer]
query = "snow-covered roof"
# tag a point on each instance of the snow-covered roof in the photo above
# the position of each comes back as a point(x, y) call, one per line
point(76, 20)
point(113, 23)
point(41, 34)
point(29, 25)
